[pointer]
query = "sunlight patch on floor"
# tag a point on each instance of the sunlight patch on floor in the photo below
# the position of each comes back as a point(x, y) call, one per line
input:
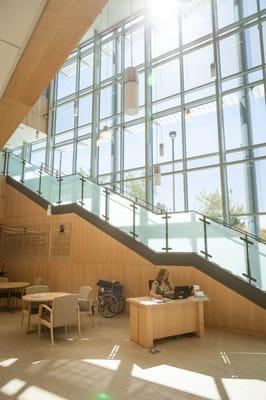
point(34, 393)
point(108, 364)
point(245, 389)
point(180, 379)
point(12, 387)
point(8, 362)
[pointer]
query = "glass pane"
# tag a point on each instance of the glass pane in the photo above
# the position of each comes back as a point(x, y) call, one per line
point(31, 177)
point(134, 47)
point(135, 188)
point(14, 167)
point(66, 80)
point(134, 153)
point(120, 213)
point(204, 191)
point(71, 189)
point(201, 130)
point(50, 188)
point(38, 157)
point(226, 248)
point(237, 176)
point(110, 100)
point(150, 229)
point(94, 199)
point(164, 34)
point(203, 58)
point(86, 71)
point(105, 156)
point(85, 110)
point(165, 80)
point(63, 159)
point(257, 255)
point(169, 195)
point(240, 51)
point(83, 157)
point(185, 233)
point(260, 183)
point(163, 144)
point(227, 12)
point(64, 117)
point(196, 20)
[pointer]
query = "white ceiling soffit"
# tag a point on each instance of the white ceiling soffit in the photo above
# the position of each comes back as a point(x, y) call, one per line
point(17, 22)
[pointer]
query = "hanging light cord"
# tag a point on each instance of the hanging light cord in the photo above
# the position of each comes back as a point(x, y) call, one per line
point(131, 38)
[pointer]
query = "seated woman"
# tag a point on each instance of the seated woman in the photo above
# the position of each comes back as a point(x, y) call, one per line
point(161, 286)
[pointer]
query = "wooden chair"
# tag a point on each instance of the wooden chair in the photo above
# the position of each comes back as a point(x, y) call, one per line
point(63, 312)
point(32, 308)
point(86, 302)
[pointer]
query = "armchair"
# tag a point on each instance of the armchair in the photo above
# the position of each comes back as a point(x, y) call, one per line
point(64, 311)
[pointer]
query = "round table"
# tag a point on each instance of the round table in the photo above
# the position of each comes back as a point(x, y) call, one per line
point(44, 297)
point(12, 285)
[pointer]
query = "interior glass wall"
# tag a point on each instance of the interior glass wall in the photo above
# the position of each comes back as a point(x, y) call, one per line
point(201, 75)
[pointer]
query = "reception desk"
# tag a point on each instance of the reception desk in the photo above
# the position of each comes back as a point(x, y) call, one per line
point(151, 320)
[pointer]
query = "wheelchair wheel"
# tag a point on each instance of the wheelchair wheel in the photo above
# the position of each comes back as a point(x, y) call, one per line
point(121, 305)
point(109, 306)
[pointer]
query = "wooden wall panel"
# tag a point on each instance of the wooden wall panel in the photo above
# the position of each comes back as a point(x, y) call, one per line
point(95, 255)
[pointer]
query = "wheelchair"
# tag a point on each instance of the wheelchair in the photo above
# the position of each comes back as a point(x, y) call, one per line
point(110, 299)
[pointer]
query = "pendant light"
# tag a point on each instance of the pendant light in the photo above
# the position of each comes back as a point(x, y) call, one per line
point(188, 114)
point(106, 134)
point(213, 70)
point(157, 175)
point(131, 82)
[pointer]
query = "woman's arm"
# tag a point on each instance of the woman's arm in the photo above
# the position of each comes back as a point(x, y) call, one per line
point(153, 291)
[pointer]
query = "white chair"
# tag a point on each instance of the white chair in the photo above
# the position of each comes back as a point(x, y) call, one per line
point(63, 312)
point(86, 302)
point(32, 308)
point(37, 281)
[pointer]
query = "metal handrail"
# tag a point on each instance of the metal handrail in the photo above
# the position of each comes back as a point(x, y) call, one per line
point(152, 208)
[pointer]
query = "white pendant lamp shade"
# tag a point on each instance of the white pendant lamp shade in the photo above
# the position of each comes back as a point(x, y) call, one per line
point(161, 148)
point(131, 91)
point(157, 175)
point(106, 133)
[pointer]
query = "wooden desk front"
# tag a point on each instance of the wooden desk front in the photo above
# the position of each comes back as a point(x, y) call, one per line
point(150, 320)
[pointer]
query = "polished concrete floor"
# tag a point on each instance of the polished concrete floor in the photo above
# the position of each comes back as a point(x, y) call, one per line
point(106, 365)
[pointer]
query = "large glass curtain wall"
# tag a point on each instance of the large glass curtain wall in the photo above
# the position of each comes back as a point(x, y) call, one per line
point(202, 75)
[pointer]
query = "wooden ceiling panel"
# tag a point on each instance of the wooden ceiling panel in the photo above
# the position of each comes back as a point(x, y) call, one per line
point(58, 31)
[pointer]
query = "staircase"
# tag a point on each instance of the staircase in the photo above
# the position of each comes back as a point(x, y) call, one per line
point(233, 257)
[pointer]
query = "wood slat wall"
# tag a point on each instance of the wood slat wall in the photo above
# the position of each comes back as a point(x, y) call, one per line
point(94, 255)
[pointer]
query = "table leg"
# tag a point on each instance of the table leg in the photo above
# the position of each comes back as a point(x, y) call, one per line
point(200, 330)
point(9, 299)
point(28, 316)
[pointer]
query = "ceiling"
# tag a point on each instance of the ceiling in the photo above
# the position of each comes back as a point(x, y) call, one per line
point(17, 21)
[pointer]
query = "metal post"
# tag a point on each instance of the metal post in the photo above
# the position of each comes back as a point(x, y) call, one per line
point(166, 248)
point(81, 202)
point(107, 193)
point(5, 163)
point(59, 189)
point(172, 135)
point(23, 162)
point(248, 275)
point(205, 251)
point(134, 208)
point(40, 182)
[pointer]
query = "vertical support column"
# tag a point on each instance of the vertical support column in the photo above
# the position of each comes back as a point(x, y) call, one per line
point(59, 180)
point(107, 193)
point(23, 162)
point(134, 208)
point(220, 125)
point(166, 248)
point(248, 274)
point(148, 116)
point(95, 106)
point(39, 191)
point(205, 223)
point(82, 180)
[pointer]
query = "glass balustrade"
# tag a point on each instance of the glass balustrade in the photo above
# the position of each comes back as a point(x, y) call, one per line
point(174, 232)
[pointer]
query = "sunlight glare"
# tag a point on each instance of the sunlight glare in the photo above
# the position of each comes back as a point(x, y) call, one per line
point(244, 389)
point(12, 387)
point(34, 392)
point(8, 362)
point(179, 379)
point(163, 10)
point(108, 364)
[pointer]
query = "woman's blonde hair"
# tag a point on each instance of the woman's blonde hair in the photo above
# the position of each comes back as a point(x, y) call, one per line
point(160, 275)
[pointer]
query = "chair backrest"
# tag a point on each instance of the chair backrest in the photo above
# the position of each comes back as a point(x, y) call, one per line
point(37, 289)
point(150, 283)
point(85, 292)
point(3, 279)
point(65, 310)
point(37, 281)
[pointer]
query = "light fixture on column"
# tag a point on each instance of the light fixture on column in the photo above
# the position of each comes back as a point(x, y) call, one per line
point(213, 70)
point(161, 149)
point(75, 108)
point(188, 114)
point(106, 134)
point(157, 175)
point(131, 82)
